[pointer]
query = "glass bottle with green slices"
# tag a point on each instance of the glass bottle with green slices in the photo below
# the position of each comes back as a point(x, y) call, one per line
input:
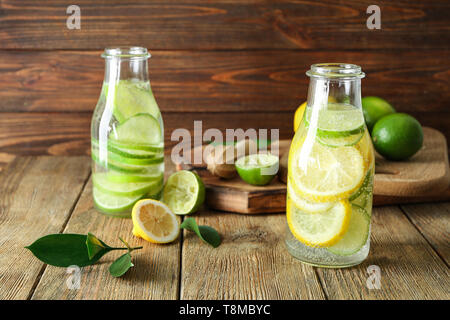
point(127, 135)
point(330, 172)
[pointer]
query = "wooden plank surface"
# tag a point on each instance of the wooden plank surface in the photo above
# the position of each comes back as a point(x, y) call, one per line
point(206, 25)
point(37, 195)
point(251, 263)
point(432, 221)
point(416, 81)
point(410, 268)
point(154, 276)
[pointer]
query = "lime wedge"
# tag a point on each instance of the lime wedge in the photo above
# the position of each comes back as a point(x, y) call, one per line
point(356, 236)
point(102, 182)
point(257, 169)
point(139, 129)
point(184, 192)
point(132, 98)
point(113, 203)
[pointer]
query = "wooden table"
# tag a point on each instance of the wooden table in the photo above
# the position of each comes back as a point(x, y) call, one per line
point(42, 195)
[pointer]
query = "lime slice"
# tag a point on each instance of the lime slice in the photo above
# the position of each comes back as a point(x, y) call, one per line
point(356, 236)
point(139, 129)
point(325, 174)
point(319, 229)
point(306, 205)
point(338, 125)
point(257, 169)
point(113, 164)
point(365, 187)
point(102, 182)
point(132, 98)
point(184, 192)
point(112, 203)
point(129, 153)
point(117, 176)
point(154, 148)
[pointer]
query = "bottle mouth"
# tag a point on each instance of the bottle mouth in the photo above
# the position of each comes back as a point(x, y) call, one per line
point(335, 70)
point(126, 53)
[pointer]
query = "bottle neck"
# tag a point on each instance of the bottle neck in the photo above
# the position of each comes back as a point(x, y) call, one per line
point(324, 91)
point(117, 69)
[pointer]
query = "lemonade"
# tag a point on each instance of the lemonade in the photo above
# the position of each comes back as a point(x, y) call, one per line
point(330, 173)
point(127, 135)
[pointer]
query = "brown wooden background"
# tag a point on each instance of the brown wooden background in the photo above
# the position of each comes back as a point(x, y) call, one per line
point(230, 63)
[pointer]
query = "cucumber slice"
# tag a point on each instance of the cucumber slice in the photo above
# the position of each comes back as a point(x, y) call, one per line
point(139, 129)
point(132, 98)
point(356, 236)
point(111, 203)
point(127, 189)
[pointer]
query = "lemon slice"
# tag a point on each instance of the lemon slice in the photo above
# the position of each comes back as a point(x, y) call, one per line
point(323, 174)
point(356, 236)
point(153, 221)
point(305, 205)
point(320, 229)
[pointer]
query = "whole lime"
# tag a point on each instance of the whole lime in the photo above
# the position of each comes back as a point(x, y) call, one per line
point(374, 108)
point(397, 136)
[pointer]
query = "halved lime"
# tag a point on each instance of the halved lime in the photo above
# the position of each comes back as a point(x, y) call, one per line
point(102, 182)
point(113, 203)
point(132, 98)
point(184, 192)
point(356, 236)
point(139, 129)
point(257, 169)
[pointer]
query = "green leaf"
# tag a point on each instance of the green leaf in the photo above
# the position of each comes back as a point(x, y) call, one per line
point(96, 246)
point(119, 267)
point(63, 250)
point(206, 233)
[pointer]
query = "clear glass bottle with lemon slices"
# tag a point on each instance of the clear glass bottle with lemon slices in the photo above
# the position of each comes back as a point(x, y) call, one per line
point(330, 172)
point(127, 135)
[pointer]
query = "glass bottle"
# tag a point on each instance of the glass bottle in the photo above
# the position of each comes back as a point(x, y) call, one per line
point(330, 172)
point(127, 135)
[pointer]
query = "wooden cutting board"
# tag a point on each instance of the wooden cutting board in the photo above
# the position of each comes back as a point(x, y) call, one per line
point(423, 178)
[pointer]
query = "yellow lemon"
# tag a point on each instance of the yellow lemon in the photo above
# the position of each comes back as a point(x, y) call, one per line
point(299, 115)
point(154, 221)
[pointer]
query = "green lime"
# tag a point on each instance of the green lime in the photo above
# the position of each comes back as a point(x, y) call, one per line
point(397, 136)
point(112, 203)
point(356, 236)
point(139, 129)
point(132, 98)
point(127, 189)
point(257, 169)
point(375, 108)
point(184, 192)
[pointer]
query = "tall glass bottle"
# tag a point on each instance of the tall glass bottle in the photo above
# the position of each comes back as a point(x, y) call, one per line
point(330, 172)
point(127, 135)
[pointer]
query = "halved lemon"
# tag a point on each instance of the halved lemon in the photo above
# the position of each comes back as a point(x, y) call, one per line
point(322, 174)
point(154, 221)
point(320, 229)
